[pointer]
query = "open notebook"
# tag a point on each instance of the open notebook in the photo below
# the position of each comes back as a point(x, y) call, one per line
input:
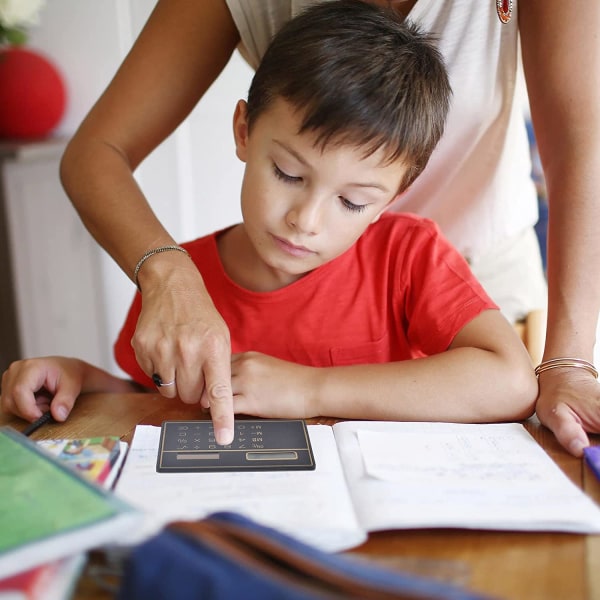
point(373, 476)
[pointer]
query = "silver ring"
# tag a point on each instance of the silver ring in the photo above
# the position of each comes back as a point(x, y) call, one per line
point(158, 382)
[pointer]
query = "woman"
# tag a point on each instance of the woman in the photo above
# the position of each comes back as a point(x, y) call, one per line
point(476, 186)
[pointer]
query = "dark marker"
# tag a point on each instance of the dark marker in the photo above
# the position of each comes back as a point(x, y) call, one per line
point(45, 418)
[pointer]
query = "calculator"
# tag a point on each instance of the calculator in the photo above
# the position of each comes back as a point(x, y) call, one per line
point(258, 445)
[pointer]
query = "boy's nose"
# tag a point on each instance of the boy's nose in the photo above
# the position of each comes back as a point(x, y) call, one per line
point(305, 216)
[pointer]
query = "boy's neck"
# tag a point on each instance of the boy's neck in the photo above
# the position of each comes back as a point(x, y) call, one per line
point(244, 266)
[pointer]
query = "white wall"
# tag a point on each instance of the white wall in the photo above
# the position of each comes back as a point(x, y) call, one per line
point(192, 180)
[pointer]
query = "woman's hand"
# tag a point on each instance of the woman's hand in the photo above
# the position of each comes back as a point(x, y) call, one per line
point(181, 337)
point(569, 405)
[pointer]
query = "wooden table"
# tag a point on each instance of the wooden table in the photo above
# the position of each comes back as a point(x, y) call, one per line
point(507, 565)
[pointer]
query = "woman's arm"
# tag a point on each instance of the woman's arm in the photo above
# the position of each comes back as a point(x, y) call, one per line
point(561, 58)
point(485, 375)
point(180, 52)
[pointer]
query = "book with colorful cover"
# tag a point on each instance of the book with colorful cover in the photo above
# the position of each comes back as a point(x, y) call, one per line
point(55, 580)
point(95, 459)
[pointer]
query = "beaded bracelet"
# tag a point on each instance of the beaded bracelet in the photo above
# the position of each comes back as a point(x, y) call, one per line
point(150, 253)
point(558, 363)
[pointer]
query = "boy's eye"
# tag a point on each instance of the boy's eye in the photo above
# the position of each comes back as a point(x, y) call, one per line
point(284, 176)
point(351, 206)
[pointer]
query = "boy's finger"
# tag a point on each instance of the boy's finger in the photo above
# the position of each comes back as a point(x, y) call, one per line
point(62, 403)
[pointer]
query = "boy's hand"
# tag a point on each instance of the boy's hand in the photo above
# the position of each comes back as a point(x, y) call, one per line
point(569, 405)
point(32, 386)
point(264, 386)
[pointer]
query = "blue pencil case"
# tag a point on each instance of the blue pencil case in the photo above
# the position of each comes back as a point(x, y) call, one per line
point(228, 556)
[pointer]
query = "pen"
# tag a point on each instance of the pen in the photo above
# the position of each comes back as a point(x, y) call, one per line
point(592, 457)
point(45, 418)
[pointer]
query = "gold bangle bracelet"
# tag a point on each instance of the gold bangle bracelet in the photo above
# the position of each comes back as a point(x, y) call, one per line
point(559, 363)
point(150, 253)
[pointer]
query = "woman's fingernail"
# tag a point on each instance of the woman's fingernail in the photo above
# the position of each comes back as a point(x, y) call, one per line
point(224, 436)
point(576, 447)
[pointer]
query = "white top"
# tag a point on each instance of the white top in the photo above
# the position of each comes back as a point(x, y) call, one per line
point(477, 185)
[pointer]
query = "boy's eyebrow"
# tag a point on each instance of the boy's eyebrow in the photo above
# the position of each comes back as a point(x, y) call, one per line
point(301, 160)
point(291, 151)
point(374, 185)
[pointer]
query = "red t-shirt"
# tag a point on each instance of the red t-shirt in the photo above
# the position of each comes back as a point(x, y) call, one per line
point(400, 292)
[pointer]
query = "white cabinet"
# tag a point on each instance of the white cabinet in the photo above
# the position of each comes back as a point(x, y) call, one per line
point(54, 262)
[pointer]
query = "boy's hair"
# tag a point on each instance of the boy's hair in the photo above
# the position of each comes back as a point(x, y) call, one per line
point(360, 75)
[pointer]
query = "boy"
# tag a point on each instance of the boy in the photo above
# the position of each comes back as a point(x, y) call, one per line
point(334, 307)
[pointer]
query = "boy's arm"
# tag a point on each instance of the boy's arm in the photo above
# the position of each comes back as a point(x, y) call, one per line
point(486, 375)
point(54, 382)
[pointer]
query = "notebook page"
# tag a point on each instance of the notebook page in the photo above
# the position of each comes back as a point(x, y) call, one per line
point(425, 475)
point(313, 506)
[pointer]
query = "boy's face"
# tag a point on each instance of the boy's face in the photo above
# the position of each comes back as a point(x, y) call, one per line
point(303, 207)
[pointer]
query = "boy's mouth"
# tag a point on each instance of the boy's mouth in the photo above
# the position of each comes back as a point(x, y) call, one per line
point(292, 249)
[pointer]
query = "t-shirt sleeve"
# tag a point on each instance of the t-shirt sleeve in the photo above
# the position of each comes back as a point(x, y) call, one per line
point(441, 294)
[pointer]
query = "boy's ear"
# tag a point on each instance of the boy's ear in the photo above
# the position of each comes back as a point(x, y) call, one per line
point(240, 129)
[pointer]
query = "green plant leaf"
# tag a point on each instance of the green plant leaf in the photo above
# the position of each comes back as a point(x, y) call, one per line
point(16, 37)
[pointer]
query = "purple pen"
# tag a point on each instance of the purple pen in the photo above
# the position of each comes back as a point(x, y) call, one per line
point(592, 457)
